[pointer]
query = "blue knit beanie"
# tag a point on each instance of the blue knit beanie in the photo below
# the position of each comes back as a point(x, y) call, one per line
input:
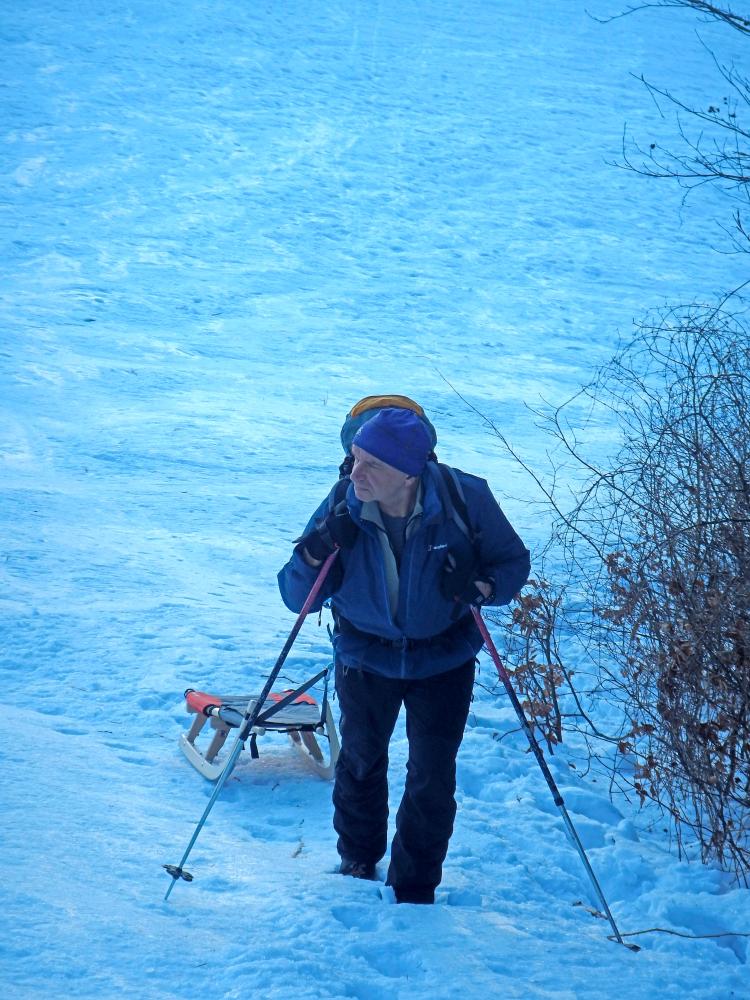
point(397, 437)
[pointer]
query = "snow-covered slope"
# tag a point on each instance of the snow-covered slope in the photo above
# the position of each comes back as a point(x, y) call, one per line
point(223, 223)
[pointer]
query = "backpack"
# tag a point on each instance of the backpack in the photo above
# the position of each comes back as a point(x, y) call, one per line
point(452, 493)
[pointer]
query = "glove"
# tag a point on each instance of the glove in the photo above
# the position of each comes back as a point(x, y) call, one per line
point(336, 531)
point(458, 580)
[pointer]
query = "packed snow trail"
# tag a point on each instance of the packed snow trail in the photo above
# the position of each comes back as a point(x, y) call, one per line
point(222, 224)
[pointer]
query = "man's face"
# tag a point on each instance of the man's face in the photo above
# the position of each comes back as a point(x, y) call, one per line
point(375, 480)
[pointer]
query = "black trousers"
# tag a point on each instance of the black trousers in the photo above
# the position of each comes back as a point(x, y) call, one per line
point(436, 712)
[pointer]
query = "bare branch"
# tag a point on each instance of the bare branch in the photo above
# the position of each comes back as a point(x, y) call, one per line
point(711, 12)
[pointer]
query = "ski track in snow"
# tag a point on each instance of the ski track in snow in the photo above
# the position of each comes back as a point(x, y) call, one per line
point(222, 224)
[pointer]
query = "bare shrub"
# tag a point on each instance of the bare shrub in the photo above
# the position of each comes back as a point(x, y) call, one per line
point(656, 559)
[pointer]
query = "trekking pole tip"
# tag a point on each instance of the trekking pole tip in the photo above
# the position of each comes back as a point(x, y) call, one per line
point(625, 944)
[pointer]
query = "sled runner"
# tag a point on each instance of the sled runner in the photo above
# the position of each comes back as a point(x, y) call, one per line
point(293, 712)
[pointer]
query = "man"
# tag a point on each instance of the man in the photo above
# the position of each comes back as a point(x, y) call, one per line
point(401, 592)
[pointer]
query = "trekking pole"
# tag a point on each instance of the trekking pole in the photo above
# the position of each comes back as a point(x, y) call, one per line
point(537, 750)
point(253, 710)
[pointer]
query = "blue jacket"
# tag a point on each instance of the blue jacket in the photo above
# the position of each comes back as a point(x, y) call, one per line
point(397, 622)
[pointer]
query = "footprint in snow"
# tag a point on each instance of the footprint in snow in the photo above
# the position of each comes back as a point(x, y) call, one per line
point(359, 917)
point(71, 731)
point(393, 962)
point(153, 700)
point(587, 803)
point(464, 897)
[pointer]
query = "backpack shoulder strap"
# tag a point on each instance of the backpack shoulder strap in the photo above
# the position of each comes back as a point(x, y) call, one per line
point(453, 491)
point(338, 493)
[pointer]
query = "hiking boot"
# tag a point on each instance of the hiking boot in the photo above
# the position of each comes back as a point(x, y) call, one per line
point(358, 869)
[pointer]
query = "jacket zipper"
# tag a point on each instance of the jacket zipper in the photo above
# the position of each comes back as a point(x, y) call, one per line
point(408, 564)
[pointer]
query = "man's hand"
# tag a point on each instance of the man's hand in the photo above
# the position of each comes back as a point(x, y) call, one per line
point(462, 581)
point(336, 531)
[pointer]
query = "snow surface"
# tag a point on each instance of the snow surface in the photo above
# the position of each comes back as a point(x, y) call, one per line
point(224, 222)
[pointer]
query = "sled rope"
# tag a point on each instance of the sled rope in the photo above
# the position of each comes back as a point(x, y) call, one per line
point(695, 937)
point(682, 934)
point(661, 930)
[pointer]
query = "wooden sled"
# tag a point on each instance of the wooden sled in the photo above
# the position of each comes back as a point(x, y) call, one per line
point(309, 726)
